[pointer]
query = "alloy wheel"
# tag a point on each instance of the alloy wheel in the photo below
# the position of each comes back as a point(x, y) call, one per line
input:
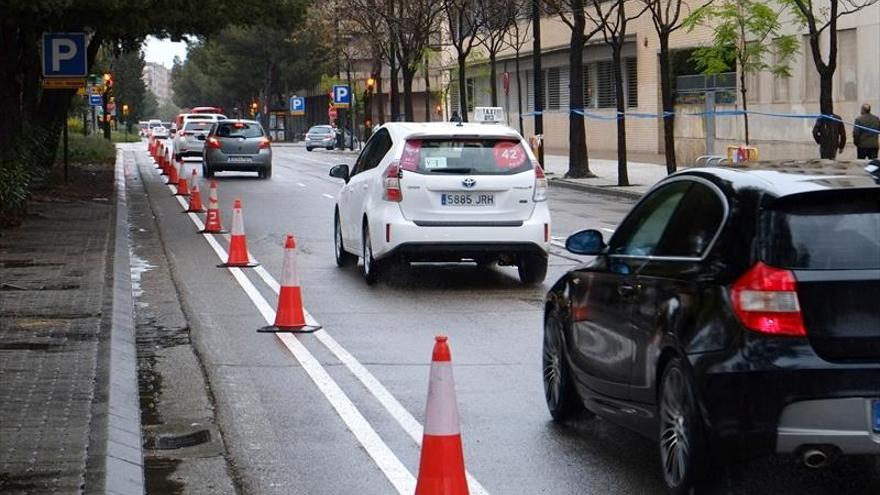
point(675, 427)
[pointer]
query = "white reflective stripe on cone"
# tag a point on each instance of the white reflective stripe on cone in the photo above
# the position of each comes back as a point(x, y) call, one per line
point(441, 415)
point(289, 277)
point(237, 222)
point(212, 195)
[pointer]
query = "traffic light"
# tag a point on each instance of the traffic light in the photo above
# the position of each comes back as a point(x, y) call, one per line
point(371, 83)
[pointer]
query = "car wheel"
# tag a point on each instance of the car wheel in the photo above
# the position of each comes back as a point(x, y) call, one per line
point(532, 269)
point(372, 267)
point(682, 441)
point(207, 171)
point(343, 257)
point(309, 148)
point(266, 173)
point(561, 397)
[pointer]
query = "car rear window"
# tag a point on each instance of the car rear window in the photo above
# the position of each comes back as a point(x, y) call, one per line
point(824, 232)
point(465, 156)
point(320, 130)
point(239, 130)
point(197, 126)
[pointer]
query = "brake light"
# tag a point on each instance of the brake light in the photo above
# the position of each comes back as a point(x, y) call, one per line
point(540, 183)
point(765, 301)
point(392, 183)
point(265, 144)
point(213, 142)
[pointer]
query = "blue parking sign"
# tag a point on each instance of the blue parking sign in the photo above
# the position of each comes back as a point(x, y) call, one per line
point(341, 96)
point(64, 55)
point(297, 105)
point(96, 100)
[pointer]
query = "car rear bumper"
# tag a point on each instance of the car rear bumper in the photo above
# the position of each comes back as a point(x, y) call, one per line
point(846, 424)
point(217, 160)
point(394, 235)
point(320, 144)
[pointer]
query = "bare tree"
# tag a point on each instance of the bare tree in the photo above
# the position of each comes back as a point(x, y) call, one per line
point(371, 23)
point(499, 16)
point(518, 36)
point(463, 26)
point(415, 23)
point(667, 17)
point(819, 17)
point(573, 15)
point(612, 20)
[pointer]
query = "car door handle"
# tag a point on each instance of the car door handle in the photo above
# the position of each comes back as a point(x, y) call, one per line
point(626, 290)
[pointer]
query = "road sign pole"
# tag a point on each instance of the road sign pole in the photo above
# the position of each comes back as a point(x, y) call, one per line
point(66, 176)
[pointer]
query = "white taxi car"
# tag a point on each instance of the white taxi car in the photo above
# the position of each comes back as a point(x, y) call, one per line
point(443, 192)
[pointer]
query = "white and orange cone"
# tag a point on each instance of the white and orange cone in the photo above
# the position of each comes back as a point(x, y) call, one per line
point(212, 220)
point(195, 196)
point(441, 468)
point(182, 186)
point(290, 316)
point(173, 177)
point(238, 253)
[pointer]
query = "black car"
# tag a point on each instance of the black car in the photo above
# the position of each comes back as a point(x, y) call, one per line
point(734, 313)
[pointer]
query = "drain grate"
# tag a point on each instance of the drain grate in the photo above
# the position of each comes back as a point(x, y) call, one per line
point(171, 442)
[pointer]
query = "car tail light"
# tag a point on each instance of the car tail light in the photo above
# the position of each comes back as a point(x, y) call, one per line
point(265, 144)
point(213, 142)
point(392, 183)
point(579, 311)
point(540, 183)
point(765, 301)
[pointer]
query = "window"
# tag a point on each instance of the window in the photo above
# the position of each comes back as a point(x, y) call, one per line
point(847, 59)
point(553, 88)
point(455, 156)
point(641, 231)
point(589, 92)
point(470, 86)
point(632, 83)
point(811, 75)
point(454, 99)
point(239, 130)
point(372, 154)
point(694, 225)
point(605, 82)
point(530, 90)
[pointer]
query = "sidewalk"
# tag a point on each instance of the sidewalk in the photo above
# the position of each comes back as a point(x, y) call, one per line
point(642, 176)
point(62, 425)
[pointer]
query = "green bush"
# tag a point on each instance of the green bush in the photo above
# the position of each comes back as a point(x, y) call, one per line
point(89, 149)
point(14, 182)
point(119, 136)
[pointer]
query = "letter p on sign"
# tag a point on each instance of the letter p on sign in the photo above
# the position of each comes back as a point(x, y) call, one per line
point(64, 55)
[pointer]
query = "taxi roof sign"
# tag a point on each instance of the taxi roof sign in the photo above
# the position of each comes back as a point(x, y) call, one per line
point(489, 115)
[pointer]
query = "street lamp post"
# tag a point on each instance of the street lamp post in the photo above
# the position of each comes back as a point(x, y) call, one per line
point(125, 115)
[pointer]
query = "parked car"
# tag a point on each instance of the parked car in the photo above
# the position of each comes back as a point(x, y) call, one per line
point(733, 313)
point(442, 192)
point(325, 136)
point(237, 145)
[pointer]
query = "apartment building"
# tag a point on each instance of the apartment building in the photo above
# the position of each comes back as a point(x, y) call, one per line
point(157, 77)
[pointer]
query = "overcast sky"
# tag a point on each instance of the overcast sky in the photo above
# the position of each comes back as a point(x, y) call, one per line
point(164, 51)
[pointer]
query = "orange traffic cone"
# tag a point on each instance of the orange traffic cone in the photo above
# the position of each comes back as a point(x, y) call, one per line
point(173, 177)
point(182, 186)
point(441, 469)
point(195, 197)
point(238, 253)
point(212, 220)
point(290, 316)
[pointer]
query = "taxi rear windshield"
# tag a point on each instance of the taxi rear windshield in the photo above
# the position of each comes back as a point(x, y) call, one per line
point(453, 156)
point(824, 232)
point(239, 130)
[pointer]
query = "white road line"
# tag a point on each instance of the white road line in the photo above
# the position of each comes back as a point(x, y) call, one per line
point(330, 196)
point(300, 184)
point(394, 470)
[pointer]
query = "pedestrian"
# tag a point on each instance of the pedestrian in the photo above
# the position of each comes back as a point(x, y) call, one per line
point(455, 117)
point(833, 127)
point(865, 134)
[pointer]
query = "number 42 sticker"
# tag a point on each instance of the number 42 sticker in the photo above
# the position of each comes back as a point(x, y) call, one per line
point(508, 154)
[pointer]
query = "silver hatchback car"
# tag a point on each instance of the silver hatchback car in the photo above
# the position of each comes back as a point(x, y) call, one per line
point(237, 145)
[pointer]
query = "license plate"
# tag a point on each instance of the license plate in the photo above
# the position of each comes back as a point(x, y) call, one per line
point(240, 159)
point(467, 199)
point(876, 408)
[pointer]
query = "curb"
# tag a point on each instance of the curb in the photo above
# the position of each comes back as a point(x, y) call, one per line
point(602, 190)
point(118, 457)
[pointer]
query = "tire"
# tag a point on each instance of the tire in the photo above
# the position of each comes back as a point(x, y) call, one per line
point(309, 148)
point(372, 269)
point(265, 173)
point(682, 440)
point(559, 393)
point(343, 257)
point(532, 269)
point(207, 171)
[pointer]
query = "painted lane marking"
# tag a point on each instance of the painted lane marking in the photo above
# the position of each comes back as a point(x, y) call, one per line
point(385, 459)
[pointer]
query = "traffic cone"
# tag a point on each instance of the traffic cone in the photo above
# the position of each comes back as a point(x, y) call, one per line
point(212, 220)
point(195, 197)
point(173, 177)
point(182, 186)
point(238, 253)
point(441, 468)
point(289, 316)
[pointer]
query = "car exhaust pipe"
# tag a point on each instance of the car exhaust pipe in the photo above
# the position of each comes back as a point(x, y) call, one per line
point(815, 458)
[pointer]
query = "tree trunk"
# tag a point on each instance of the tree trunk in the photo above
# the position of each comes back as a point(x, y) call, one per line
point(380, 100)
point(427, 89)
point(578, 160)
point(408, 110)
point(828, 146)
point(742, 90)
point(493, 78)
point(668, 104)
point(462, 89)
point(519, 94)
point(622, 175)
point(10, 88)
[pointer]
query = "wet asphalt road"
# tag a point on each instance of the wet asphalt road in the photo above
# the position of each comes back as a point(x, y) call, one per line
point(280, 430)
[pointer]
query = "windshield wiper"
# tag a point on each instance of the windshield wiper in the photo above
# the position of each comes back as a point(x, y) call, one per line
point(461, 170)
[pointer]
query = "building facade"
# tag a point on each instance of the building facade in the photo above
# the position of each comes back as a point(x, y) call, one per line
point(157, 77)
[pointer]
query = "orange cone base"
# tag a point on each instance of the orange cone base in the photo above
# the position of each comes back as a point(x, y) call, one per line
point(182, 189)
point(298, 329)
point(238, 254)
point(199, 210)
point(441, 469)
point(246, 264)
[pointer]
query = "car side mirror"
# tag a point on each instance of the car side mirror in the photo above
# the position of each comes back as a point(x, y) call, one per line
point(340, 172)
point(586, 242)
point(201, 137)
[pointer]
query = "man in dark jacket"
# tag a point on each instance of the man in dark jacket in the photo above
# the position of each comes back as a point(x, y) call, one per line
point(834, 130)
point(865, 134)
